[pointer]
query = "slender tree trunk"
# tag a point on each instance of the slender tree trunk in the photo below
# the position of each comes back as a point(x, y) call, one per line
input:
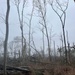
point(30, 23)
point(6, 36)
point(29, 40)
point(54, 51)
point(48, 41)
point(66, 60)
point(68, 49)
point(42, 11)
point(21, 25)
point(43, 43)
point(62, 19)
point(61, 41)
point(22, 44)
point(45, 24)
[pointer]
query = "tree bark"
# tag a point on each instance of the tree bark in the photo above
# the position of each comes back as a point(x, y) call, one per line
point(66, 60)
point(6, 36)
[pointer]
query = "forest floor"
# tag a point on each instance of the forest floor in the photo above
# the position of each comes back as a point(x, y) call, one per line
point(47, 69)
point(52, 69)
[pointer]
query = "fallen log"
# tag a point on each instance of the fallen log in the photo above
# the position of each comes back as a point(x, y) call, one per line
point(24, 70)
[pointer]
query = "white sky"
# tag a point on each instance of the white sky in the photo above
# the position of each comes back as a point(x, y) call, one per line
point(52, 19)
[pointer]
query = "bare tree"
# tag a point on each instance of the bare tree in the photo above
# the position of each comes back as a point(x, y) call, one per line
point(21, 21)
point(61, 39)
point(62, 7)
point(61, 49)
point(69, 51)
point(6, 35)
point(41, 5)
point(54, 51)
point(30, 23)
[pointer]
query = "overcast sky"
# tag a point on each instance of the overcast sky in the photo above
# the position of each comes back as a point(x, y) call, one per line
point(52, 19)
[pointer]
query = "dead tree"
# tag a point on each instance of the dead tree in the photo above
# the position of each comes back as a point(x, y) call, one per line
point(30, 23)
point(21, 21)
point(41, 6)
point(6, 35)
point(61, 39)
point(62, 7)
point(69, 51)
point(54, 51)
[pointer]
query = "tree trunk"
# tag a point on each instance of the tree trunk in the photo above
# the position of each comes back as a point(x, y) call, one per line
point(43, 43)
point(6, 36)
point(66, 60)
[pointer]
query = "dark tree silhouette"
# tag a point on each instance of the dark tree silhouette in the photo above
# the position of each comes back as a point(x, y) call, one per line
point(6, 36)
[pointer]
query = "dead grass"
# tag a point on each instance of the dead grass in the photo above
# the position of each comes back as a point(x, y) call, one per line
point(54, 69)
